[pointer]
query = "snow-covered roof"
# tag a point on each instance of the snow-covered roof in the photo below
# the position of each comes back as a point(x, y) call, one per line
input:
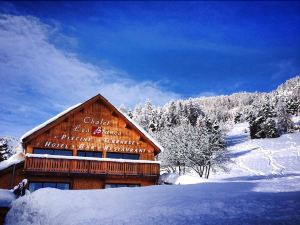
point(14, 159)
point(28, 133)
point(89, 158)
point(77, 105)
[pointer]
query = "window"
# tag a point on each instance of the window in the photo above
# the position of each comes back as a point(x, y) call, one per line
point(122, 155)
point(121, 185)
point(89, 154)
point(33, 186)
point(52, 151)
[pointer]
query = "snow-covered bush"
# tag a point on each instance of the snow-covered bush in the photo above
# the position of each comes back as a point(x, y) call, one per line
point(196, 147)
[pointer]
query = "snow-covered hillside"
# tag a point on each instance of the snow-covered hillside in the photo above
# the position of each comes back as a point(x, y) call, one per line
point(262, 187)
point(263, 158)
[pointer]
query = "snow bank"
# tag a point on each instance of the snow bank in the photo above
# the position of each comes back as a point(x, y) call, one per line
point(14, 159)
point(172, 178)
point(207, 203)
point(6, 197)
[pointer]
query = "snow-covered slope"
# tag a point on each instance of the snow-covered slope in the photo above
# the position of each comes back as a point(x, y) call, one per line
point(261, 158)
point(6, 197)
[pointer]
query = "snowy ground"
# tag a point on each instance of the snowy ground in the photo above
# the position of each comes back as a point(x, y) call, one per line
point(267, 158)
point(263, 187)
point(6, 197)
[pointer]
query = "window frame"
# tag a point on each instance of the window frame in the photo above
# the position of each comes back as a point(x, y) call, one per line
point(94, 152)
point(122, 154)
point(122, 185)
point(49, 182)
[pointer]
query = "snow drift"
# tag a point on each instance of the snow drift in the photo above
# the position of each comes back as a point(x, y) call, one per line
point(214, 203)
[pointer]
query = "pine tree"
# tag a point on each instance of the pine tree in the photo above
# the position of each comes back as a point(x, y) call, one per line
point(269, 128)
point(293, 106)
point(237, 117)
point(4, 150)
point(284, 122)
point(261, 124)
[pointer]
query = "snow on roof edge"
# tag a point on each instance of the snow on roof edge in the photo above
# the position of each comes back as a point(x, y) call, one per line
point(13, 160)
point(142, 130)
point(48, 121)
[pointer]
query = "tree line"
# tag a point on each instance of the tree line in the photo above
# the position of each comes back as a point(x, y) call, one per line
point(192, 131)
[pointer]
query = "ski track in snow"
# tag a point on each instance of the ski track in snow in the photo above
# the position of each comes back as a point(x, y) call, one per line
point(261, 157)
point(248, 169)
point(293, 144)
point(276, 167)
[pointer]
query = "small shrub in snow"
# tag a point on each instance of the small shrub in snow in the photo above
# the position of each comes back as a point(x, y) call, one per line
point(198, 147)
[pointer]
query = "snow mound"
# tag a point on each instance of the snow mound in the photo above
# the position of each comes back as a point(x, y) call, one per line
point(206, 203)
point(6, 197)
point(14, 159)
point(172, 178)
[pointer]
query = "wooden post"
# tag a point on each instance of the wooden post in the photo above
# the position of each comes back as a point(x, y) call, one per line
point(13, 177)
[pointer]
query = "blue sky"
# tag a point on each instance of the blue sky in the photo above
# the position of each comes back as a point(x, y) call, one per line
point(55, 54)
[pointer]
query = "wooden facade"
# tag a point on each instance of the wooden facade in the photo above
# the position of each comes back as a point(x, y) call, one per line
point(91, 146)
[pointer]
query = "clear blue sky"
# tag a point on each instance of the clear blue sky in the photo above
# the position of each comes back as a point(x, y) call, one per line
point(132, 51)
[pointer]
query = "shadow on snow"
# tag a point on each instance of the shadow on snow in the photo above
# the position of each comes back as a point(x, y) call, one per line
point(236, 139)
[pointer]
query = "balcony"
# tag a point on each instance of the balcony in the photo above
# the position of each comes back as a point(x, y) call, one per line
point(91, 166)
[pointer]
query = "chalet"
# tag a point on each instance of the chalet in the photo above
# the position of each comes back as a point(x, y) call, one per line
point(91, 145)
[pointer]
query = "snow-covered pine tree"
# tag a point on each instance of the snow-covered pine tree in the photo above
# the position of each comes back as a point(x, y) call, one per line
point(8, 147)
point(255, 127)
point(269, 128)
point(284, 122)
point(129, 113)
point(237, 117)
point(293, 106)
point(4, 150)
point(193, 112)
point(261, 122)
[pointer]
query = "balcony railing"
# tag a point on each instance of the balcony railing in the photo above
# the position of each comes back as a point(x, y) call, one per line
point(85, 165)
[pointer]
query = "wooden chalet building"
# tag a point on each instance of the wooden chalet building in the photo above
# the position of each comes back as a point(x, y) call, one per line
point(92, 145)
